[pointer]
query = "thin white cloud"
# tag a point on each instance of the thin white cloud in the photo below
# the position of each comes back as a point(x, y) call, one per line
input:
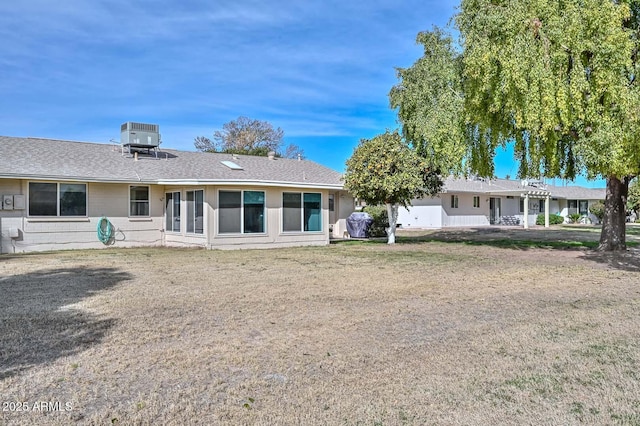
point(316, 69)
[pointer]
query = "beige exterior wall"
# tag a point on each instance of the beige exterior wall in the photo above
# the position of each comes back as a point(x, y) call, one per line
point(273, 235)
point(112, 201)
point(55, 233)
point(343, 207)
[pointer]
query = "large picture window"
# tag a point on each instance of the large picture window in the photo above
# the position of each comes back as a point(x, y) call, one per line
point(138, 201)
point(195, 212)
point(172, 213)
point(301, 212)
point(57, 199)
point(241, 212)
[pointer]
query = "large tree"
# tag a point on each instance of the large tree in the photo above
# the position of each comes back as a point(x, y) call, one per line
point(385, 170)
point(248, 136)
point(559, 79)
point(429, 100)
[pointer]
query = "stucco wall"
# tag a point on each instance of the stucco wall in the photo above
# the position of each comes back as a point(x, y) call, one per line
point(112, 201)
point(423, 213)
point(273, 235)
point(103, 199)
point(465, 214)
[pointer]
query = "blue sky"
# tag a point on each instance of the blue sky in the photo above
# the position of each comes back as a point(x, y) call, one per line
point(77, 69)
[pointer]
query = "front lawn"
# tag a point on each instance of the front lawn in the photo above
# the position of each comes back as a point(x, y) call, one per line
point(426, 332)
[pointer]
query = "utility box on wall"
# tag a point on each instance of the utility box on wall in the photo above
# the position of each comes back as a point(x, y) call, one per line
point(12, 202)
point(7, 202)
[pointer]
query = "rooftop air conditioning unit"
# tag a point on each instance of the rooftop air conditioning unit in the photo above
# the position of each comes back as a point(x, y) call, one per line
point(140, 135)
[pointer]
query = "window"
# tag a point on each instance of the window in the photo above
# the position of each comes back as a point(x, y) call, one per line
point(521, 205)
point(476, 201)
point(583, 207)
point(241, 212)
point(195, 212)
point(331, 203)
point(301, 212)
point(572, 206)
point(57, 199)
point(173, 212)
point(138, 201)
point(541, 204)
point(454, 201)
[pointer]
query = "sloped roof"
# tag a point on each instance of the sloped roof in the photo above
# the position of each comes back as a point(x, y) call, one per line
point(50, 159)
point(503, 186)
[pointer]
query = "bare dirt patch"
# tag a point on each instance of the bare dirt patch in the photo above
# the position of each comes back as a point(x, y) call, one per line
point(358, 333)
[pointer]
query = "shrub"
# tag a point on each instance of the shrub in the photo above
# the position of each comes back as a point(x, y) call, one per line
point(574, 217)
point(554, 219)
point(380, 221)
point(597, 210)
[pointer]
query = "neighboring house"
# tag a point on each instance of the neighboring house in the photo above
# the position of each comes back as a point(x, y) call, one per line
point(54, 194)
point(481, 202)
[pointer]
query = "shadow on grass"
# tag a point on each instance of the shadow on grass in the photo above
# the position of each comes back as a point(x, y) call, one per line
point(519, 239)
point(626, 261)
point(38, 322)
point(492, 237)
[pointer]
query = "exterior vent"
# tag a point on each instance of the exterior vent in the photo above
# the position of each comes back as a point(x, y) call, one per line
point(140, 135)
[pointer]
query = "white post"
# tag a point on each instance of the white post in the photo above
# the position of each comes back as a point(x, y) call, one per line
point(546, 211)
point(526, 211)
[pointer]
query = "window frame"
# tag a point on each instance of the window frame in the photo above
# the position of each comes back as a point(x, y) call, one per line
point(148, 201)
point(58, 200)
point(243, 231)
point(186, 200)
point(173, 216)
point(584, 212)
point(476, 201)
point(455, 202)
point(302, 210)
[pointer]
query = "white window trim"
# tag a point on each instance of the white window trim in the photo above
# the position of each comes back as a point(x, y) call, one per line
point(455, 202)
point(476, 197)
point(129, 205)
point(58, 216)
point(171, 231)
point(204, 220)
point(302, 231)
point(241, 233)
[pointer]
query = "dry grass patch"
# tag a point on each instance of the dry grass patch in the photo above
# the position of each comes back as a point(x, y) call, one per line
point(424, 333)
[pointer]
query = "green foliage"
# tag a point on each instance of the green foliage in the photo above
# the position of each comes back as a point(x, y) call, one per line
point(429, 101)
point(554, 219)
point(597, 210)
point(559, 78)
point(385, 170)
point(249, 137)
point(633, 198)
point(574, 217)
point(380, 220)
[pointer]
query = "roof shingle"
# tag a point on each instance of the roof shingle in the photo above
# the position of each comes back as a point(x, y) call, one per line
point(65, 160)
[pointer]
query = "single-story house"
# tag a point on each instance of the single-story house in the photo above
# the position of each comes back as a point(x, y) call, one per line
point(65, 195)
point(482, 202)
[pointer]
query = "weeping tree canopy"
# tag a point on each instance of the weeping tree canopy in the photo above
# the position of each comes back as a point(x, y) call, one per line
point(559, 79)
point(429, 100)
point(556, 77)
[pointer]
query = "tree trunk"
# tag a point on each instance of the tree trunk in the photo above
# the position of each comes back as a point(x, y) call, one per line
point(613, 235)
point(392, 213)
